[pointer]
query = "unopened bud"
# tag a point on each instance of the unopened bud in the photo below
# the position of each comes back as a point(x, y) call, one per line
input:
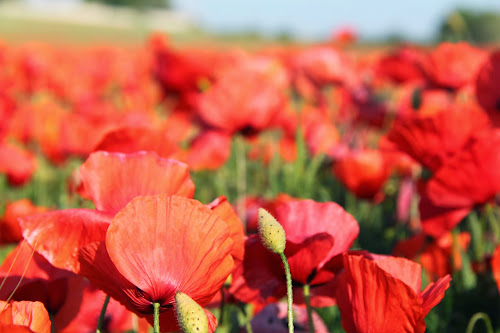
point(271, 232)
point(190, 315)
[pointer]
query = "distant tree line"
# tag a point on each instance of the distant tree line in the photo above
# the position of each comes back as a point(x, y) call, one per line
point(473, 26)
point(141, 4)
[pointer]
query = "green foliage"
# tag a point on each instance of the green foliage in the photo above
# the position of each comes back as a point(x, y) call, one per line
point(141, 4)
point(471, 26)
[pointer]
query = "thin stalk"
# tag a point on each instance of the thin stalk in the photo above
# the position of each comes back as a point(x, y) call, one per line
point(475, 318)
point(156, 307)
point(241, 178)
point(307, 298)
point(222, 306)
point(102, 315)
point(248, 324)
point(289, 293)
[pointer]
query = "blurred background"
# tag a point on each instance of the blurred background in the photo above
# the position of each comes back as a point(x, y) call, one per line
point(425, 21)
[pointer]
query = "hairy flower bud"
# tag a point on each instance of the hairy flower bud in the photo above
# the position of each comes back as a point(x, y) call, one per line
point(271, 232)
point(190, 315)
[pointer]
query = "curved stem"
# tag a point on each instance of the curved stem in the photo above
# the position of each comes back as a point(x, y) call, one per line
point(156, 328)
point(289, 293)
point(102, 315)
point(475, 318)
point(307, 298)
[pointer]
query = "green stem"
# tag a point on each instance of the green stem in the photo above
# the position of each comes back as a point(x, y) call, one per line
point(222, 306)
point(102, 315)
point(52, 326)
point(248, 324)
point(156, 307)
point(475, 318)
point(289, 293)
point(307, 298)
point(241, 178)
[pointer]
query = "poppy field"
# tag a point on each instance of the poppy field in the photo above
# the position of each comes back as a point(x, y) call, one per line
point(284, 188)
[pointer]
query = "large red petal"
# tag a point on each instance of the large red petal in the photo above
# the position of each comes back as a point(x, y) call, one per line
point(367, 296)
point(111, 180)
point(305, 258)
point(167, 243)
point(58, 235)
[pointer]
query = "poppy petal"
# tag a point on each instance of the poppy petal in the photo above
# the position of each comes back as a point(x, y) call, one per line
point(402, 269)
point(304, 218)
point(223, 208)
point(58, 235)
point(167, 243)
point(304, 258)
point(434, 293)
point(31, 315)
point(96, 265)
point(367, 295)
point(111, 180)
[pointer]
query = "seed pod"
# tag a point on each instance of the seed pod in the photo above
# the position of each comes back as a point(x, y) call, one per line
point(190, 315)
point(271, 232)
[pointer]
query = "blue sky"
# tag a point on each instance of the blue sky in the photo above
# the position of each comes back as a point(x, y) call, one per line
point(415, 19)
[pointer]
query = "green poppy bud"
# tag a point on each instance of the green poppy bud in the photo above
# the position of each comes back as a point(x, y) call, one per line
point(190, 315)
point(271, 232)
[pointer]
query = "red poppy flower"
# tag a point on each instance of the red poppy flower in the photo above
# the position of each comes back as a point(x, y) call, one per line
point(322, 65)
point(155, 246)
point(363, 172)
point(454, 65)
point(24, 316)
point(108, 179)
point(10, 232)
point(18, 163)
point(134, 139)
point(402, 65)
point(450, 194)
point(488, 86)
point(370, 291)
point(209, 150)
point(432, 138)
point(246, 97)
point(180, 70)
point(316, 233)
